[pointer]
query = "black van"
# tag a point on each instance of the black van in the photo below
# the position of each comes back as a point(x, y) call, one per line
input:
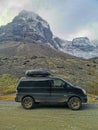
point(32, 90)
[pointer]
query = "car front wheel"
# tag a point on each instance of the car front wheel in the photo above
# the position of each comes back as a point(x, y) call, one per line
point(27, 102)
point(74, 103)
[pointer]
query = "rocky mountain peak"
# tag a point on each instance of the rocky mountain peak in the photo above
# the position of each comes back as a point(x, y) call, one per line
point(81, 41)
point(28, 16)
point(27, 25)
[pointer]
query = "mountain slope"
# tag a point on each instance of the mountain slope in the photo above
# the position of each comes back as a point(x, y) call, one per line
point(83, 73)
point(29, 48)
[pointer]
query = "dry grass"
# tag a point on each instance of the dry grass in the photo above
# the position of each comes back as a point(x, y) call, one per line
point(8, 84)
point(92, 98)
point(7, 97)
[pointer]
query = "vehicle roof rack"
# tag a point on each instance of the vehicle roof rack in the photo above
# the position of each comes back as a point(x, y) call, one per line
point(37, 73)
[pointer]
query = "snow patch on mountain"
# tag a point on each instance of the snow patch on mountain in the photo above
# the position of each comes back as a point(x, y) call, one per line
point(81, 47)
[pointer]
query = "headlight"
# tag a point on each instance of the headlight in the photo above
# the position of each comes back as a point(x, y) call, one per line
point(84, 91)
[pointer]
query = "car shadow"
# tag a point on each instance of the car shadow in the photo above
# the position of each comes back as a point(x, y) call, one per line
point(86, 106)
point(50, 105)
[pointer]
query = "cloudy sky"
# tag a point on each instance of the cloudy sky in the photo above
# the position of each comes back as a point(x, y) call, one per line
point(67, 18)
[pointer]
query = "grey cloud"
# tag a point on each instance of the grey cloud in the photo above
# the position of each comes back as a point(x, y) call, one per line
point(66, 17)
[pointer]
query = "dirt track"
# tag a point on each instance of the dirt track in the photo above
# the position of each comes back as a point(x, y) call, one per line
point(14, 117)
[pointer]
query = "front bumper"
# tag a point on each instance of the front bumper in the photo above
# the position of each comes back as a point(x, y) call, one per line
point(84, 99)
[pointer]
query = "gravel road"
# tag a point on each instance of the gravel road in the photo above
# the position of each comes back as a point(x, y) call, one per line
point(15, 104)
point(14, 117)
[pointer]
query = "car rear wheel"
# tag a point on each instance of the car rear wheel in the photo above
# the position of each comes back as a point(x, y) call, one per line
point(74, 103)
point(28, 102)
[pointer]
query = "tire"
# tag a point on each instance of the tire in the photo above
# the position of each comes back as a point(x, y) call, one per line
point(74, 103)
point(28, 103)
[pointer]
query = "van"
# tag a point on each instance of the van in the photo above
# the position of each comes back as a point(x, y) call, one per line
point(33, 90)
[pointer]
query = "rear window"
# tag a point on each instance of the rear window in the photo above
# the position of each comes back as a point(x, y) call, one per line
point(34, 84)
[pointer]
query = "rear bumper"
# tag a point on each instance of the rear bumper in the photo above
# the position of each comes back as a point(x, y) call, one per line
point(18, 98)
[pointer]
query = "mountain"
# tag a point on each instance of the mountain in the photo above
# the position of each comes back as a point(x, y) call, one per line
point(27, 26)
point(30, 26)
point(82, 47)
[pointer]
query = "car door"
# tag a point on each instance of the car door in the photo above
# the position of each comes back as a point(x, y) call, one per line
point(41, 90)
point(58, 90)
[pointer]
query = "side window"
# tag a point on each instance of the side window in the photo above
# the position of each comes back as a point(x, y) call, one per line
point(25, 84)
point(34, 84)
point(42, 84)
point(58, 83)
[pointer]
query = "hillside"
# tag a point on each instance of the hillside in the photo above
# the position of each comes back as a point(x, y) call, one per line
point(26, 56)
